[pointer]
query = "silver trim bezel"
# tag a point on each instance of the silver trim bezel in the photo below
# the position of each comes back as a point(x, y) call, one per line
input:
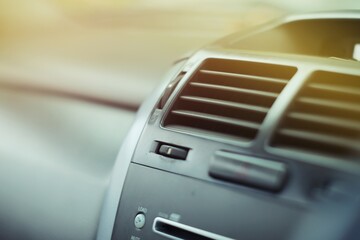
point(123, 160)
point(188, 228)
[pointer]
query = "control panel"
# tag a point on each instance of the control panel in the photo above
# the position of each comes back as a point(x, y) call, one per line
point(162, 205)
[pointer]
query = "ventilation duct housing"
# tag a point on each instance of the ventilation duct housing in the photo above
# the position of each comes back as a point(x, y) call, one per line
point(324, 118)
point(228, 98)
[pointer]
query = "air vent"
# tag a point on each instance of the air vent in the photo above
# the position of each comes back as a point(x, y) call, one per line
point(228, 98)
point(325, 117)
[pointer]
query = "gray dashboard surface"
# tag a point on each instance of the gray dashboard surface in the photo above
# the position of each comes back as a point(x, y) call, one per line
point(56, 157)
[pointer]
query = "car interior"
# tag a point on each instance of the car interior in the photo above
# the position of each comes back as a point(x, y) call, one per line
point(124, 124)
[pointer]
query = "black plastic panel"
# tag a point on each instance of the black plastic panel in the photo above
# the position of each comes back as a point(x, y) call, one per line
point(202, 205)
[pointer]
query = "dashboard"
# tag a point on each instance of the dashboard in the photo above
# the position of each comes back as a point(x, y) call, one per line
point(255, 136)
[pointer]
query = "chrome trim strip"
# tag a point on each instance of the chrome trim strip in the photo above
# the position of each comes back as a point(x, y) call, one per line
point(188, 228)
point(112, 198)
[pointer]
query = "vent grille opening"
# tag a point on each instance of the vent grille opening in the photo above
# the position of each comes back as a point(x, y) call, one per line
point(324, 118)
point(228, 98)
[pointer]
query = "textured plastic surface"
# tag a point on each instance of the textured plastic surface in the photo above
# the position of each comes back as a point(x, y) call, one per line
point(218, 209)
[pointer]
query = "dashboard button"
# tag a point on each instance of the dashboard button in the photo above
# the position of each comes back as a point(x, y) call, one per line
point(173, 152)
point(243, 169)
point(139, 220)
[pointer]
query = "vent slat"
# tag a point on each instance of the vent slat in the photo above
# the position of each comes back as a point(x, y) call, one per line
point(337, 89)
point(227, 98)
point(330, 103)
point(234, 89)
point(226, 103)
point(331, 121)
point(321, 138)
point(252, 77)
point(218, 119)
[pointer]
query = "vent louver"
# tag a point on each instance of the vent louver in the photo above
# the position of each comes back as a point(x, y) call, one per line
point(324, 118)
point(228, 98)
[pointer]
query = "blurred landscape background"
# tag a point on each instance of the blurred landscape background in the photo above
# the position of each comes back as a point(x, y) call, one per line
point(109, 48)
